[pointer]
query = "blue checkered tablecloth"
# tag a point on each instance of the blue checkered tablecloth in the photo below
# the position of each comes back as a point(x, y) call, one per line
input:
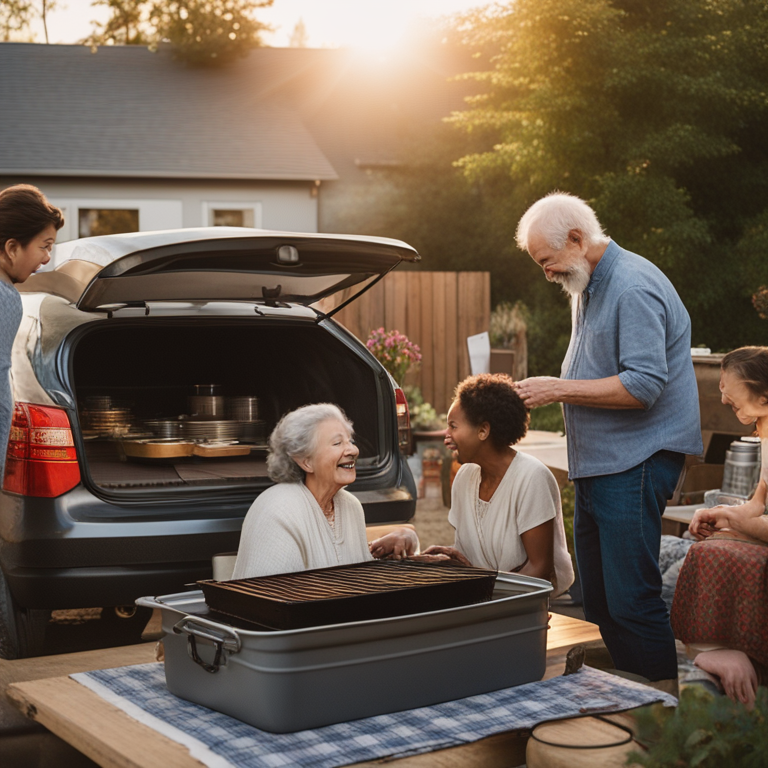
point(220, 741)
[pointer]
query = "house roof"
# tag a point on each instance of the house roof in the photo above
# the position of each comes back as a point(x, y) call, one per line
point(125, 111)
point(278, 113)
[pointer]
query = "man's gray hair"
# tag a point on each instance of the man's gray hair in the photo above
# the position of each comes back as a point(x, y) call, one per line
point(295, 437)
point(554, 216)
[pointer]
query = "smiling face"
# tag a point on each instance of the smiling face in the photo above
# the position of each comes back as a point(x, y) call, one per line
point(568, 267)
point(462, 436)
point(333, 461)
point(747, 406)
point(20, 261)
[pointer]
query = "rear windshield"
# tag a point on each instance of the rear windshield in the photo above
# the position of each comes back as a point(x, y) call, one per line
point(175, 404)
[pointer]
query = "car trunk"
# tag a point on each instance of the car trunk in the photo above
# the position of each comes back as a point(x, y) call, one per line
point(135, 382)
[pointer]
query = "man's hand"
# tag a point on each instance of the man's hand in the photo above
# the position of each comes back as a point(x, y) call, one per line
point(538, 390)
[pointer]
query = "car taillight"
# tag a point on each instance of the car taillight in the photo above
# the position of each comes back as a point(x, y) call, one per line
point(41, 459)
point(403, 422)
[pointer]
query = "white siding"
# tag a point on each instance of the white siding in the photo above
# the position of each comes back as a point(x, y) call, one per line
point(283, 205)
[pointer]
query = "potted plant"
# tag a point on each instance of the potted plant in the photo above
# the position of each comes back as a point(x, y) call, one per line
point(509, 348)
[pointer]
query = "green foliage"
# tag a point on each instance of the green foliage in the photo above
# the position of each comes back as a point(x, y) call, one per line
point(15, 18)
point(424, 417)
point(209, 31)
point(507, 321)
point(704, 731)
point(656, 113)
point(200, 31)
point(128, 24)
point(548, 418)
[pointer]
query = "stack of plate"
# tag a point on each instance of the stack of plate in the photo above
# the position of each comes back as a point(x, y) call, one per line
point(164, 428)
point(211, 429)
point(254, 432)
point(209, 406)
point(111, 422)
point(245, 408)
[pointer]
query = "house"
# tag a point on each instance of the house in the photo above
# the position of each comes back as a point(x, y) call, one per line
point(126, 139)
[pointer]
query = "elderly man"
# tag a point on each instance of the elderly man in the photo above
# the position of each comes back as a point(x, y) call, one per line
point(631, 412)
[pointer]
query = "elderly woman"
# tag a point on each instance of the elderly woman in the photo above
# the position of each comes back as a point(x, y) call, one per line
point(720, 609)
point(505, 505)
point(307, 520)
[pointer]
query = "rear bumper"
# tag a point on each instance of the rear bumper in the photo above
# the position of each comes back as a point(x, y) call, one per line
point(77, 551)
point(57, 588)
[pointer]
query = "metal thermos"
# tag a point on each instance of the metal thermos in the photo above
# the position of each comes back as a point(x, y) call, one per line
point(742, 467)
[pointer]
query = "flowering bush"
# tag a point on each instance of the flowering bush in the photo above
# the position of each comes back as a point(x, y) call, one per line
point(760, 301)
point(393, 350)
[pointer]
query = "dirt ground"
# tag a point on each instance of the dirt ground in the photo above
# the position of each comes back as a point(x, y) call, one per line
point(431, 522)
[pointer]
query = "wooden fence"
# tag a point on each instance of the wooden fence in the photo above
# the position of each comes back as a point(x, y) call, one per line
point(437, 311)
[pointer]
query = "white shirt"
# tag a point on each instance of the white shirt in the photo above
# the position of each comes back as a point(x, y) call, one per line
point(488, 533)
point(286, 531)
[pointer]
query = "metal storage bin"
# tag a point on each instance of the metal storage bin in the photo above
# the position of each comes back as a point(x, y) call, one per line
point(292, 680)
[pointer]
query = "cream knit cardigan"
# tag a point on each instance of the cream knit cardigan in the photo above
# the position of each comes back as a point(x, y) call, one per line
point(286, 531)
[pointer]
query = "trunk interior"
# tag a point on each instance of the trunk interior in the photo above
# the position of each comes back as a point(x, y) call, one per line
point(190, 405)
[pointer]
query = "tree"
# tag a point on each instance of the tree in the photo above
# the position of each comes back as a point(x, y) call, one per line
point(128, 24)
point(15, 17)
point(299, 37)
point(208, 31)
point(653, 110)
point(200, 31)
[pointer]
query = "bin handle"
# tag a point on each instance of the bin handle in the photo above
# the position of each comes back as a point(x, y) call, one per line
point(223, 638)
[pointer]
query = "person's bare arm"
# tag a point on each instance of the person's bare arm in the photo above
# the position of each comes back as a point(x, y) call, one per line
point(745, 518)
point(539, 543)
point(596, 393)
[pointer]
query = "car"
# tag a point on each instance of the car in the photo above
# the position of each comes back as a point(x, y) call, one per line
point(148, 371)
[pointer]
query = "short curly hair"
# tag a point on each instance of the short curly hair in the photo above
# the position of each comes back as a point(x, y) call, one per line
point(491, 398)
point(295, 437)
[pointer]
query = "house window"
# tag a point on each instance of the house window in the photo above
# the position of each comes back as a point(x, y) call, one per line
point(216, 214)
point(231, 218)
point(107, 221)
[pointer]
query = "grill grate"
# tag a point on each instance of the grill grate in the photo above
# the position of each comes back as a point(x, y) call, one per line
point(372, 590)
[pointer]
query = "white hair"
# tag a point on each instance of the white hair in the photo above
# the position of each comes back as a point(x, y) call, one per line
point(295, 437)
point(554, 216)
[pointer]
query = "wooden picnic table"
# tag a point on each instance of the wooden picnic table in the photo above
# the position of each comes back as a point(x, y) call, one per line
point(113, 739)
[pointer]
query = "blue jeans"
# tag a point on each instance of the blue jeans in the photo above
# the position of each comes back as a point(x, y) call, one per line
point(617, 531)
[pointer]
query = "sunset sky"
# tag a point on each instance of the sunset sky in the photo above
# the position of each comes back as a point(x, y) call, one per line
point(372, 24)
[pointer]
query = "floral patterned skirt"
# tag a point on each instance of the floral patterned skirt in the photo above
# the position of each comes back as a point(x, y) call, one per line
point(722, 597)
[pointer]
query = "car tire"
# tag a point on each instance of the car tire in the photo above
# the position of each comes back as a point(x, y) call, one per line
point(22, 630)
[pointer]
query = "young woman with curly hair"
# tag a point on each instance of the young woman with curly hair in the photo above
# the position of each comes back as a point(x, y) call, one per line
point(505, 505)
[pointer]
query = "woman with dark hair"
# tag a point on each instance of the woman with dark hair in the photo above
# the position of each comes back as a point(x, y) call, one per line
point(720, 609)
point(28, 226)
point(505, 505)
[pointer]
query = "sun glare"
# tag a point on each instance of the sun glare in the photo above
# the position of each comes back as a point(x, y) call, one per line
point(376, 30)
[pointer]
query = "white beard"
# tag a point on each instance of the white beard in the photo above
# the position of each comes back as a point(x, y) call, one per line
point(575, 281)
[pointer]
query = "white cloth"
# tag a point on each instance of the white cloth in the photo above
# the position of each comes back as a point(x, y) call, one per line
point(286, 531)
point(488, 534)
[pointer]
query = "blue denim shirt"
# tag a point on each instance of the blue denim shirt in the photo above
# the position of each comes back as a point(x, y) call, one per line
point(630, 322)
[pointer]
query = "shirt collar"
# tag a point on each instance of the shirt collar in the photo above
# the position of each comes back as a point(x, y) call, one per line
point(603, 266)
